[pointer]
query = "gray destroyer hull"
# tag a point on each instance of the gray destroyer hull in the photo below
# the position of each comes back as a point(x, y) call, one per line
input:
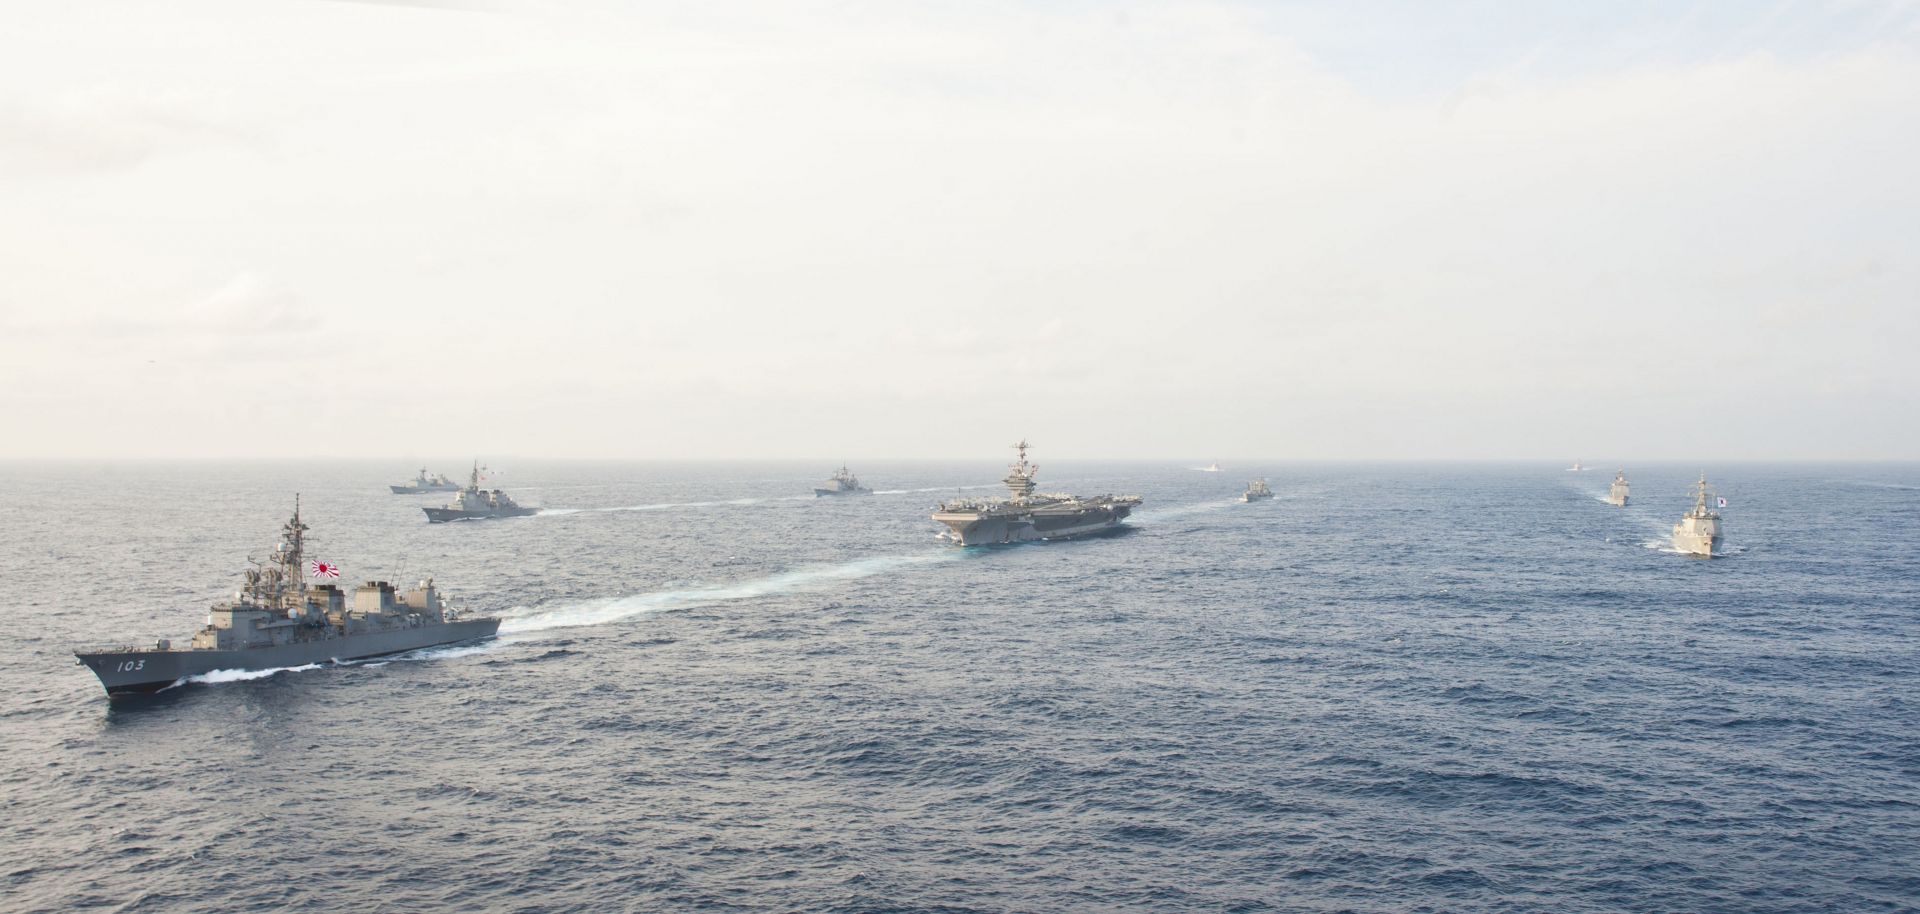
point(420, 490)
point(134, 672)
point(443, 515)
point(835, 493)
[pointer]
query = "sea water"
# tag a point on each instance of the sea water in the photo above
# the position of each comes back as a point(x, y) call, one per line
point(1399, 687)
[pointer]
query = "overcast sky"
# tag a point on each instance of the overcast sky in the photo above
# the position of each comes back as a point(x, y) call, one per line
point(790, 229)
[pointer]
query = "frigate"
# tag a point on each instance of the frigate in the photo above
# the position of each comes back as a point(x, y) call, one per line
point(843, 482)
point(1617, 494)
point(475, 503)
point(1698, 533)
point(436, 482)
point(278, 620)
point(1256, 490)
point(1028, 515)
point(1576, 468)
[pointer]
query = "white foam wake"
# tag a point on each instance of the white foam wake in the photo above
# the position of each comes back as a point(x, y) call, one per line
point(671, 505)
point(990, 485)
point(1177, 511)
point(214, 677)
point(614, 609)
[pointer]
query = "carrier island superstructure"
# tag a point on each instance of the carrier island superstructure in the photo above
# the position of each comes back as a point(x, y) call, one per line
point(1030, 515)
point(278, 620)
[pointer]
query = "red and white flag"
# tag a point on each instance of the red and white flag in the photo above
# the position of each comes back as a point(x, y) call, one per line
point(321, 569)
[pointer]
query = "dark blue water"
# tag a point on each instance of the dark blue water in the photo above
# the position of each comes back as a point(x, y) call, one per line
point(1394, 688)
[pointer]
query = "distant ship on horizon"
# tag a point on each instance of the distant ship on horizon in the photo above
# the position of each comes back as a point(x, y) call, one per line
point(1617, 493)
point(426, 482)
point(475, 503)
point(842, 482)
point(1577, 467)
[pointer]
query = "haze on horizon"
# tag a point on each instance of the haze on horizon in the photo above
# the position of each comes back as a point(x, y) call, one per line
point(233, 228)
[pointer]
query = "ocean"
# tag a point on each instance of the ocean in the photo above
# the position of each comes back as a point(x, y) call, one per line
point(1393, 688)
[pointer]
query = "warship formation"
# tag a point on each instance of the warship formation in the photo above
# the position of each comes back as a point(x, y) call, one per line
point(277, 620)
point(1029, 516)
point(475, 503)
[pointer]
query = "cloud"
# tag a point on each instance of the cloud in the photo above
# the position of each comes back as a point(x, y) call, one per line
point(107, 128)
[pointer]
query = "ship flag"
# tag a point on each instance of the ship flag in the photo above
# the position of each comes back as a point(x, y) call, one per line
point(1721, 501)
point(321, 569)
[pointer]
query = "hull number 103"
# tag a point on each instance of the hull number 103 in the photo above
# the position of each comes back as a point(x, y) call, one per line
point(128, 666)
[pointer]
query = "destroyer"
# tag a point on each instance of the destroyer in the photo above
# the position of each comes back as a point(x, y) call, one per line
point(843, 482)
point(437, 482)
point(277, 620)
point(1617, 494)
point(475, 503)
point(1698, 533)
point(1256, 490)
point(1031, 516)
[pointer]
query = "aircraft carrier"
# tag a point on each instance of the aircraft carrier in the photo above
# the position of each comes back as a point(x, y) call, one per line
point(277, 620)
point(1029, 516)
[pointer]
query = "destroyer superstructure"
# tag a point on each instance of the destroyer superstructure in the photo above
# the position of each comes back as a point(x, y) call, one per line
point(278, 620)
point(1698, 533)
point(843, 482)
point(1030, 515)
point(1617, 493)
point(1256, 490)
point(426, 482)
point(475, 503)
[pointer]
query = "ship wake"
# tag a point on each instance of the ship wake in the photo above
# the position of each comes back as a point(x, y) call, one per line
point(798, 580)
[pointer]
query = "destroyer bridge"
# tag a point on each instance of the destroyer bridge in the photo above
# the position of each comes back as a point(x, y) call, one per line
point(1027, 515)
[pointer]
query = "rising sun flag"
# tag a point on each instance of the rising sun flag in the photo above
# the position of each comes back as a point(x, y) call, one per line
point(321, 569)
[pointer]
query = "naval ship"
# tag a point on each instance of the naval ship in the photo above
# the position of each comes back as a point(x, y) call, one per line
point(437, 482)
point(843, 482)
point(1256, 490)
point(1617, 493)
point(277, 620)
point(1698, 533)
point(1031, 516)
point(475, 503)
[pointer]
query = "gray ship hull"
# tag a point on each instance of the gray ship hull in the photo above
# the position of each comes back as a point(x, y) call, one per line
point(1026, 527)
point(835, 493)
point(138, 672)
point(421, 490)
point(442, 515)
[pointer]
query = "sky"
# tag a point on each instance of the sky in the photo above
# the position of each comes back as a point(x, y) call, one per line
point(1206, 230)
